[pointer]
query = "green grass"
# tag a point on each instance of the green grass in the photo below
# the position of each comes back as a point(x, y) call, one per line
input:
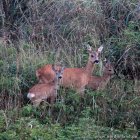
point(53, 32)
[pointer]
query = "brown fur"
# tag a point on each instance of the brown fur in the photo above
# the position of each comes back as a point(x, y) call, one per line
point(44, 91)
point(76, 78)
point(100, 82)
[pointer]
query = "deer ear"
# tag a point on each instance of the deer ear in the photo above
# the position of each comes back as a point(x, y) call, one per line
point(63, 68)
point(53, 67)
point(105, 60)
point(100, 49)
point(89, 48)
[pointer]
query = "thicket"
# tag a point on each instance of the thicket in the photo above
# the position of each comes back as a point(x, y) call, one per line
point(38, 32)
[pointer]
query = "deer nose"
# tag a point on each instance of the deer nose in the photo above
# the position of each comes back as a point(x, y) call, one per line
point(96, 61)
point(60, 77)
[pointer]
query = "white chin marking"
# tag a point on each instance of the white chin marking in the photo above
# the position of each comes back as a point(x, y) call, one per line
point(30, 95)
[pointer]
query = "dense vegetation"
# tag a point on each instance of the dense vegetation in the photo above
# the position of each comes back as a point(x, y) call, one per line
point(38, 32)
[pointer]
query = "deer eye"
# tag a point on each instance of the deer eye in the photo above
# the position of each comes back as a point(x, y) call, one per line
point(92, 55)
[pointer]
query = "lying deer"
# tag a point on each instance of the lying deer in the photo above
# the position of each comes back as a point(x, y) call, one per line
point(76, 78)
point(100, 82)
point(44, 91)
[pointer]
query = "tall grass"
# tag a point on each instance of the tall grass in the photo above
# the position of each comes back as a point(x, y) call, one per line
point(35, 33)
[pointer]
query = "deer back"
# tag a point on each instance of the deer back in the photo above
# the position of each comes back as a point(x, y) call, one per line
point(42, 91)
point(45, 74)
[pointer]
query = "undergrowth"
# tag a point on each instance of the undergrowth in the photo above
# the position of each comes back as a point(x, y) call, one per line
point(35, 33)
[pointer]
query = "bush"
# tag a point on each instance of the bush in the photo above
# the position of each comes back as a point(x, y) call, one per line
point(35, 33)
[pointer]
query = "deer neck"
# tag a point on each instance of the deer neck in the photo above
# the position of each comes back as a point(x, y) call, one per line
point(89, 67)
point(56, 83)
point(106, 77)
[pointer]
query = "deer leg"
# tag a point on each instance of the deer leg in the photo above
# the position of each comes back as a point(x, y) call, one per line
point(52, 100)
point(37, 102)
point(81, 91)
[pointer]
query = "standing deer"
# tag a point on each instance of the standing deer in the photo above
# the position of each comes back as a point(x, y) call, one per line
point(100, 82)
point(44, 91)
point(76, 78)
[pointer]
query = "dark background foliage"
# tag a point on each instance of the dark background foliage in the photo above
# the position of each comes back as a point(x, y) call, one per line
point(37, 32)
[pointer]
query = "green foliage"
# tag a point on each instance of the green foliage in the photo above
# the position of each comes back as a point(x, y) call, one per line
point(2, 122)
point(85, 128)
point(40, 28)
point(27, 111)
point(132, 33)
